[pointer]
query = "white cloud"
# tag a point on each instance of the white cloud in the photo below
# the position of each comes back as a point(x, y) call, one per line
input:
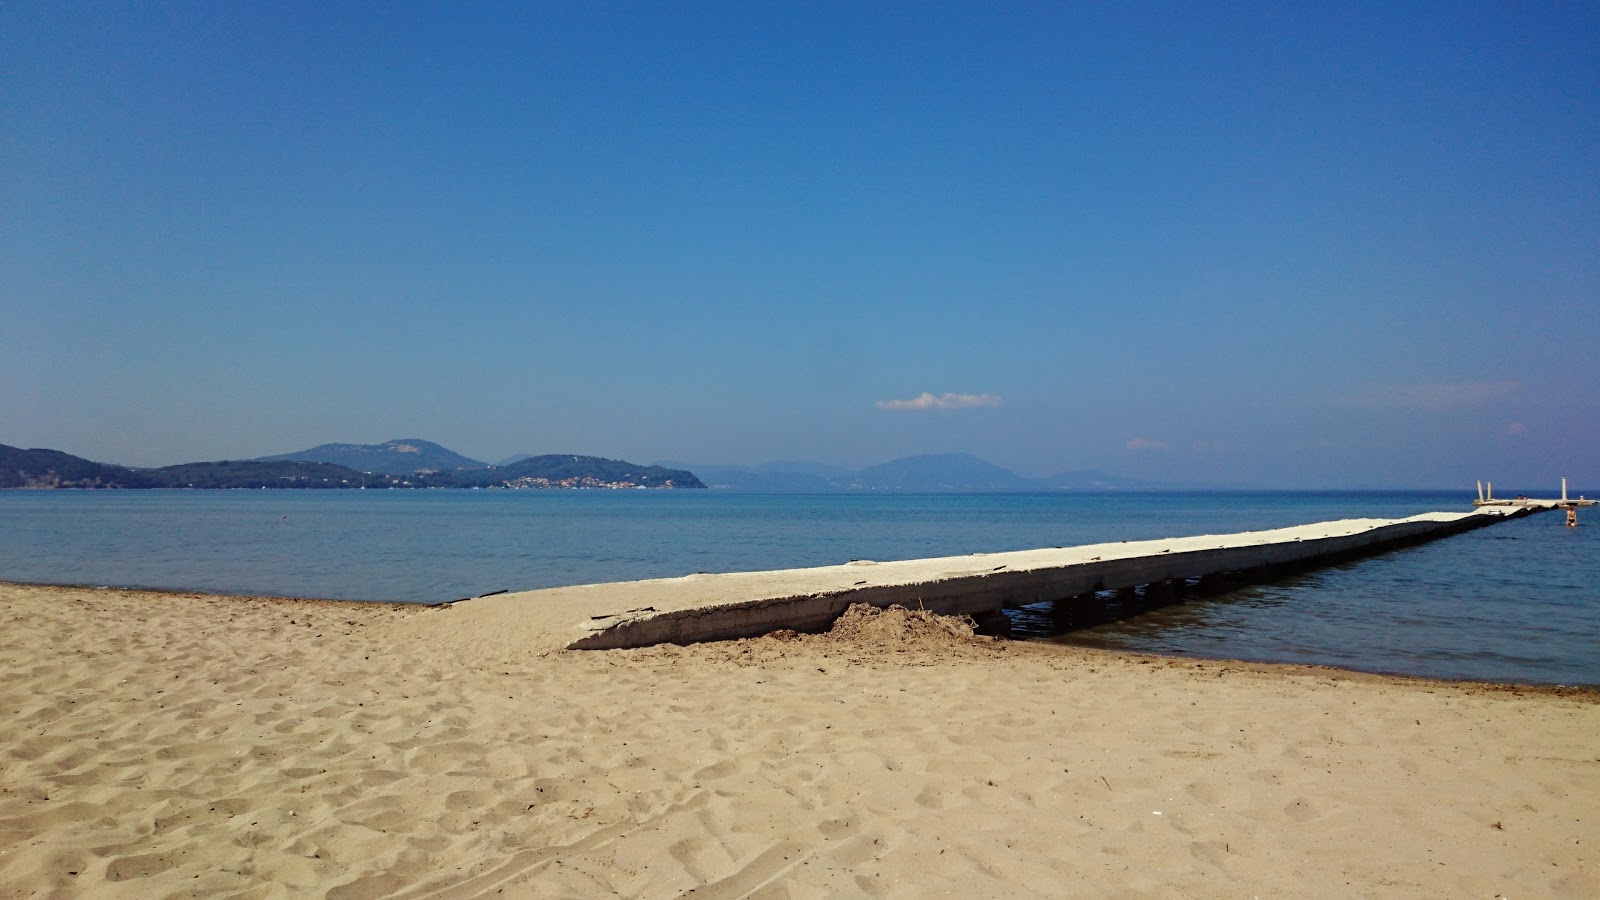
point(1451, 395)
point(926, 400)
point(1144, 443)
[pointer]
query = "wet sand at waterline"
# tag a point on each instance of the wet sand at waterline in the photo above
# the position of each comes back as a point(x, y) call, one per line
point(159, 744)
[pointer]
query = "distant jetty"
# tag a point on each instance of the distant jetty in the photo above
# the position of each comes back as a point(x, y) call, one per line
point(1486, 498)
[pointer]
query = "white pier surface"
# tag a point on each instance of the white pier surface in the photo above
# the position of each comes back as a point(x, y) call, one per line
point(707, 607)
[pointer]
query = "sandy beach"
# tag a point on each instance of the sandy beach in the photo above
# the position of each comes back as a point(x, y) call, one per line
point(156, 745)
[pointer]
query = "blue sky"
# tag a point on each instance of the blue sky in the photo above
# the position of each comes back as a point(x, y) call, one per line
point(1231, 244)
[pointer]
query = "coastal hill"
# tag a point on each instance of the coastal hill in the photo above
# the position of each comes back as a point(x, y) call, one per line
point(402, 456)
point(940, 472)
point(552, 470)
point(436, 466)
point(51, 469)
point(927, 473)
point(42, 469)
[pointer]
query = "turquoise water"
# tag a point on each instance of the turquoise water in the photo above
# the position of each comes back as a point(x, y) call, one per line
point(1519, 601)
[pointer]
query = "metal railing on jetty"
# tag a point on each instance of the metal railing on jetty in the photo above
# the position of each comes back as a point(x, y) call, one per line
point(1486, 498)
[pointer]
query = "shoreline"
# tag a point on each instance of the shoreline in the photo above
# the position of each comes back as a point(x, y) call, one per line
point(197, 593)
point(1263, 665)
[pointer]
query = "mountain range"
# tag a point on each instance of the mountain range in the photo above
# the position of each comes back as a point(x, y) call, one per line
point(314, 468)
point(438, 466)
point(415, 463)
point(41, 469)
point(935, 472)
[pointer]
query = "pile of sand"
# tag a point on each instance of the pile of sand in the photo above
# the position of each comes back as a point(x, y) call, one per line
point(899, 629)
point(863, 634)
point(892, 630)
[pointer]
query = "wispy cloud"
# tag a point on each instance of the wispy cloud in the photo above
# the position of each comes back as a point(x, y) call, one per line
point(1144, 443)
point(926, 400)
point(1448, 395)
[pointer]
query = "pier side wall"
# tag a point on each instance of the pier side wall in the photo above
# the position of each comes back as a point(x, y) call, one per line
point(988, 592)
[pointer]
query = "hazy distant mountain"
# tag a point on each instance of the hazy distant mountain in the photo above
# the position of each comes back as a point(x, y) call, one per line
point(774, 477)
point(403, 456)
point(803, 467)
point(927, 473)
point(1093, 480)
point(940, 472)
point(514, 458)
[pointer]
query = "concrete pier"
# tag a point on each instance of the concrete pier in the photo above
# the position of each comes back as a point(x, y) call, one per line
point(706, 607)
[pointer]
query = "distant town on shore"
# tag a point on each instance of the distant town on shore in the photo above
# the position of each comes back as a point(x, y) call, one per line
point(412, 464)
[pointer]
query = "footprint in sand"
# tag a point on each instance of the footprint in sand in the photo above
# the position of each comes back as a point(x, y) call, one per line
point(716, 770)
point(368, 887)
point(461, 801)
point(698, 855)
point(934, 797)
point(1214, 852)
point(1215, 794)
point(124, 868)
point(1301, 809)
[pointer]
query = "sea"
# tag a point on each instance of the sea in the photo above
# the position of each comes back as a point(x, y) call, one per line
point(1517, 602)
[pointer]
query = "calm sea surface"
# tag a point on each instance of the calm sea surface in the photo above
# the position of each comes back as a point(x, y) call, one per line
point(1518, 601)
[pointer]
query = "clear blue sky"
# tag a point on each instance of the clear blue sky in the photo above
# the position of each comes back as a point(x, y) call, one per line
point(1261, 244)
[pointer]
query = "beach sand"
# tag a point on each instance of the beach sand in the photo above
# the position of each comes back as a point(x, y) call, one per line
point(156, 745)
